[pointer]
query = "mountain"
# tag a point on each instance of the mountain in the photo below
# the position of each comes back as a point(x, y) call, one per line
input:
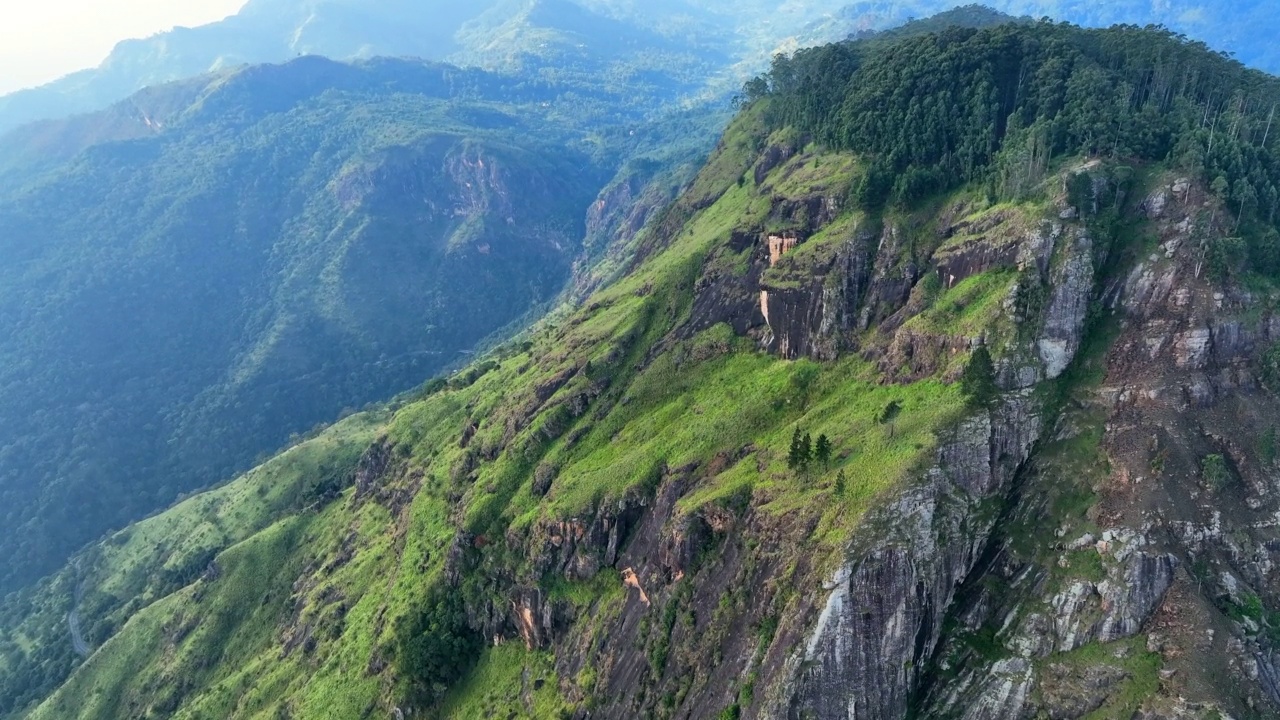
point(213, 266)
point(947, 389)
point(273, 31)
point(671, 49)
point(247, 255)
point(1242, 29)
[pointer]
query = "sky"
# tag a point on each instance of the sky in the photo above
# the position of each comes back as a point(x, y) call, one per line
point(42, 40)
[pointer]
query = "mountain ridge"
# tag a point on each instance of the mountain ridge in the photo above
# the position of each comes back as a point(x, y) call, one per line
point(278, 31)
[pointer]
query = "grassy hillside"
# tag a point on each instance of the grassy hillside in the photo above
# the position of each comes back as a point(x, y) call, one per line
point(351, 574)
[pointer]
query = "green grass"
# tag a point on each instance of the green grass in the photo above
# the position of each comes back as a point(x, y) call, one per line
point(875, 456)
point(604, 589)
point(810, 173)
point(508, 682)
point(189, 638)
point(1131, 656)
point(969, 308)
point(144, 564)
point(1017, 220)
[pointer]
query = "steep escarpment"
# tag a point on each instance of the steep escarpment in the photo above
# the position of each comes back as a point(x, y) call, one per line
point(609, 506)
point(851, 436)
point(1148, 595)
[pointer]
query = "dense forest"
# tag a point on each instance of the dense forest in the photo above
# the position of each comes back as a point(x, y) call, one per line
point(996, 105)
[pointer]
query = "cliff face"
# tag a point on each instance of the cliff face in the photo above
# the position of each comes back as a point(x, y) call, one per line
point(885, 633)
point(862, 640)
point(1167, 542)
point(866, 643)
point(1098, 605)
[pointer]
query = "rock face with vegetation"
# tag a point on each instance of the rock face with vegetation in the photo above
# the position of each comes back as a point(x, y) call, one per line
point(945, 390)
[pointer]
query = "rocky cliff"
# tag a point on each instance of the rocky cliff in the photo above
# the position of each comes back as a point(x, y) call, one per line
point(1148, 598)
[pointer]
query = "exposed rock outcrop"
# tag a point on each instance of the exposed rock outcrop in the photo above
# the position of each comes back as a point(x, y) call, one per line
point(1073, 283)
point(579, 548)
point(1180, 560)
point(884, 617)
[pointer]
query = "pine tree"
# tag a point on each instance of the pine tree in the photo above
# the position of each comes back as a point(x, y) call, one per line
point(822, 451)
point(795, 458)
point(806, 451)
point(841, 484)
point(979, 379)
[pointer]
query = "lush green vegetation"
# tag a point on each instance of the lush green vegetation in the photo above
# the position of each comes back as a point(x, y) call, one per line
point(994, 106)
point(608, 397)
point(157, 557)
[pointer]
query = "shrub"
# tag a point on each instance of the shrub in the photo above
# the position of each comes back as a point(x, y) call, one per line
point(435, 646)
point(1267, 447)
point(1216, 473)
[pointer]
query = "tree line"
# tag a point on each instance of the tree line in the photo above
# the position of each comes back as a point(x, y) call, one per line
point(993, 106)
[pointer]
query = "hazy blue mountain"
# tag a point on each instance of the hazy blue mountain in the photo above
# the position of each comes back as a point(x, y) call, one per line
point(264, 31)
point(713, 43)
point(194, 276)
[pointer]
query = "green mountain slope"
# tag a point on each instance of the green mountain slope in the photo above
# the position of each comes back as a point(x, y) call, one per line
point(944, 390)
point(286, 242)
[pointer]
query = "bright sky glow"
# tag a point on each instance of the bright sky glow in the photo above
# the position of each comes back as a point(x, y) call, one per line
point(42, 40)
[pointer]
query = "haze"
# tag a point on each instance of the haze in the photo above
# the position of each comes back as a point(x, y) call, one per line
point(43, 40)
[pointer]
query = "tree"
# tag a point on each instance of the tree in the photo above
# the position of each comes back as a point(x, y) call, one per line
point(806, 451)
point(797, 456)
point(1269, 370)
point(890, 413)
point(1264, 252)
point(979, 380)
point(435, 645)
point(842, 484)
point(822, 451)
point(1219, 186)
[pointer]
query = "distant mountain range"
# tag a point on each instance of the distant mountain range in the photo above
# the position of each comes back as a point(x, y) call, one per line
point(683, 46)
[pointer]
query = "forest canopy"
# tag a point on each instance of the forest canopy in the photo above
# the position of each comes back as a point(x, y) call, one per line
point(994, 105)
